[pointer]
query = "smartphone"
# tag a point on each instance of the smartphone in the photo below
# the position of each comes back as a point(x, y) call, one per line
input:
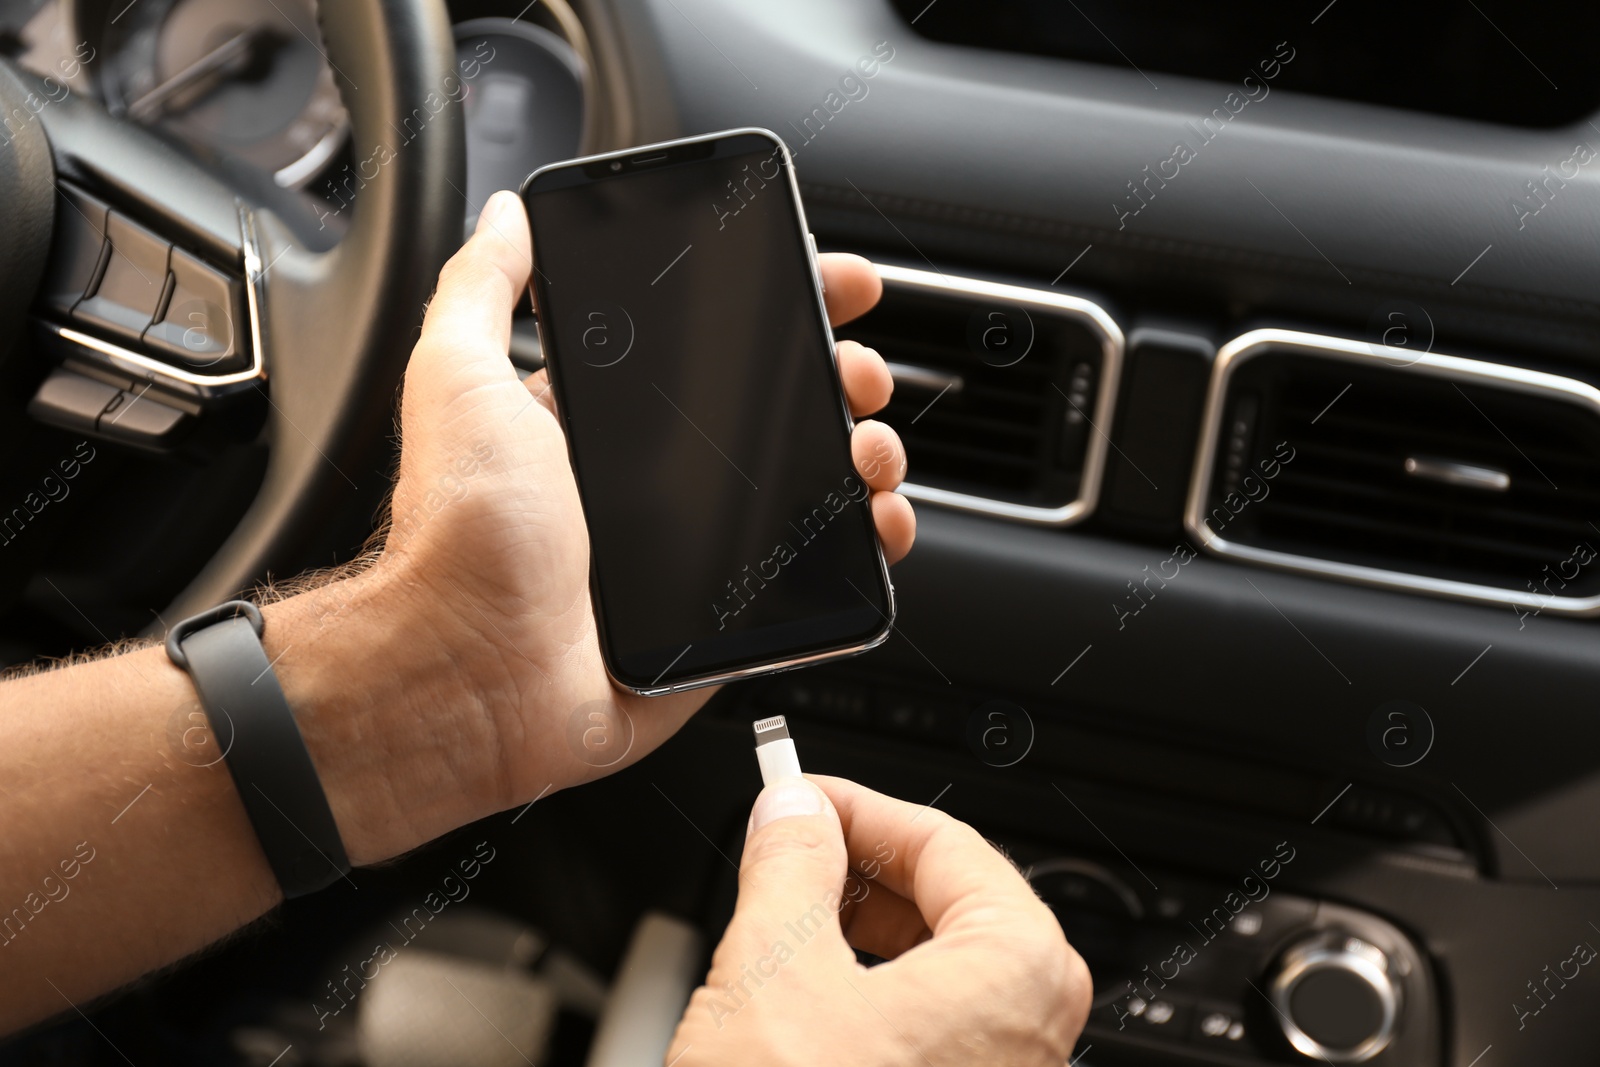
point(680, 309)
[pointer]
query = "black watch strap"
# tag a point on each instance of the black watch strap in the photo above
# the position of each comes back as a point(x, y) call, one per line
point(251, 722)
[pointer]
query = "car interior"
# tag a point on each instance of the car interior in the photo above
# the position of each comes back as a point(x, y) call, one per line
point(1246, 357)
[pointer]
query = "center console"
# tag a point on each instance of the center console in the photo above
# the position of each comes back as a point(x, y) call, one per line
point(1240, 972)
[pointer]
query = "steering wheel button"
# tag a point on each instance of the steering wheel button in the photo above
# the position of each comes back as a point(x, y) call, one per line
point(130, 291)
point(80, 250)
point(198, 323)
point(71, 401)
point(137, 418)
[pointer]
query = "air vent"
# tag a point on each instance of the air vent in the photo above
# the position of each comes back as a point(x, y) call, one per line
point(1431, 473)
point(1002, 393)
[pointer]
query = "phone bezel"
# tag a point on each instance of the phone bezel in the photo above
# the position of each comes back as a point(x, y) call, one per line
point(628, 157)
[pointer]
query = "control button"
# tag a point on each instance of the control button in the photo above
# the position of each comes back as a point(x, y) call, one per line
point(1165, 1017)
point(1390, 814)
point(1247, 923)
point(1169, 906)
point(137, 418)
point(1335, 998)
point(1160, 1016)
point(130, 291)
point(198, 324)
point(816, 261)
point(1220, 1026)
point(71, 401)
point(79, 251)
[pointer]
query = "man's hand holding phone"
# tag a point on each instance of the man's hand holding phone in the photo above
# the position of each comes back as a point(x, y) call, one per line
point(488, 562)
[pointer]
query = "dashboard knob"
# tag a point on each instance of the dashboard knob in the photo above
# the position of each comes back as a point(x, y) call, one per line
point(1336, 998)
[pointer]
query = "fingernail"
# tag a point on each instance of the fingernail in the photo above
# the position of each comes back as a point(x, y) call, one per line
point(785, 798)
point(494, 208)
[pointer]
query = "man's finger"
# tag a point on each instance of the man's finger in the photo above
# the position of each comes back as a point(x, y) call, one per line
point(942, 865)
point(867, 384)
point(469, 317)
point(896, 522)
point(882, 922)
point(879, 456)
point(538, 383)
point(792, 875)
point(850, 285)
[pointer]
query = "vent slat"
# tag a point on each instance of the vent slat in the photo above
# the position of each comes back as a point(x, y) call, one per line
point(1463, 441)
point(930, 422)
point(1463, 541)
point(929, 448)
point(1484, 508)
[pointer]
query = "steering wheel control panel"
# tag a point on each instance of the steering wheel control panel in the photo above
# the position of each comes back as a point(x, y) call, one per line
point(145, 330)
point(114, 277)
point(1237, 972)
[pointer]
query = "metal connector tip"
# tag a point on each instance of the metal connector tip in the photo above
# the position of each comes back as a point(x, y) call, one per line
point(775, 728)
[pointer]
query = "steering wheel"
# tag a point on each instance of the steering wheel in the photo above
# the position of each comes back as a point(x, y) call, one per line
point(323, 334)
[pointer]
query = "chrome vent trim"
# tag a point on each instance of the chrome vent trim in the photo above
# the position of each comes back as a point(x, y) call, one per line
point(1112, 344)
point(1480, 372)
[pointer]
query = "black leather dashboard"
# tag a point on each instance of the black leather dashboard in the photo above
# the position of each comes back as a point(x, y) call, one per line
point(1297, 205)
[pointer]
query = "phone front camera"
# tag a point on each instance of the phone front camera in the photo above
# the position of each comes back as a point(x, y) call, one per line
point(616, 164)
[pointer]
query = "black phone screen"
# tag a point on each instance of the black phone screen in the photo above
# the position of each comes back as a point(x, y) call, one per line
point(694, 371)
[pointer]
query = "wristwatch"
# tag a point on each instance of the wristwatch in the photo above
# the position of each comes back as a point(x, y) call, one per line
point(250, 718)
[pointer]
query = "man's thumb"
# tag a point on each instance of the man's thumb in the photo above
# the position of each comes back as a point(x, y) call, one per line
point(792, 877)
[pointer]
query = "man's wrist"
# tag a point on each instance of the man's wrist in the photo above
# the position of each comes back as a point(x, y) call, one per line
point(396, 733)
